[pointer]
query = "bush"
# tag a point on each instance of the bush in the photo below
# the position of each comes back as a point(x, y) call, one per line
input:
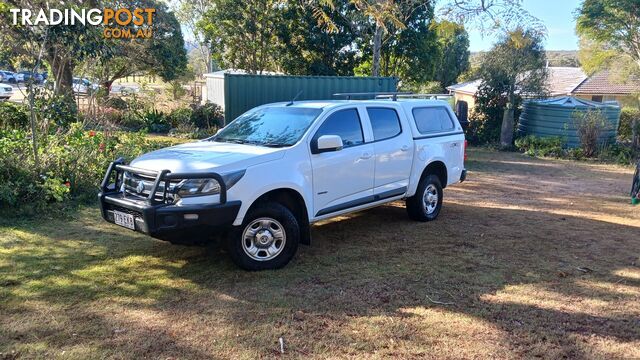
point(72, 164)
point(625, 129)
point(155, 121)
point(116, 103)
point(540, 146)
point(13, 116)
point(620, 153)
point(180, 117)
point(208, 116)
point(589, 126)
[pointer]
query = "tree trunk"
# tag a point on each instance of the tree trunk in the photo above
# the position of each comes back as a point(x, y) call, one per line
point(63, 72)
point(506, 132)
point(377, 49)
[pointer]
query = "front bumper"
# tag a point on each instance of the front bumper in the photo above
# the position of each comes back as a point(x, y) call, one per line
point(163, 219)
point(156, 215)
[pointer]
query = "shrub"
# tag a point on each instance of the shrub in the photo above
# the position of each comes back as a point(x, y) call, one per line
point(540, 146)
point(72, 164)
point(156, 121)
point(180, 117)
point(621, 153)
point(116, 103)
point(208, 116)
point(627, 117)
point(13, 116)
point(589, 126)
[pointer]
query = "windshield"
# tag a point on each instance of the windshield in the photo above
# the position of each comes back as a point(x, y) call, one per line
point(269, 126)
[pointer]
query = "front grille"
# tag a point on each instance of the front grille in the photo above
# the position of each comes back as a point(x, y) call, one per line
point(139, 186)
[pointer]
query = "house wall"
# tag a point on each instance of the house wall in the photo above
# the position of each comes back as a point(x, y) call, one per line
point(623, 99)
point(470, 99)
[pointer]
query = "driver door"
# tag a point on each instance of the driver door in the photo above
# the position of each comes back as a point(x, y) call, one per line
point(343, 178)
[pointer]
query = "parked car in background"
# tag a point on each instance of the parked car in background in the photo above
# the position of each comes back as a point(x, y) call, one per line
point(6, 91)
point(25, 75)
point(84, 86)
point(277, 168)
point(7, 77)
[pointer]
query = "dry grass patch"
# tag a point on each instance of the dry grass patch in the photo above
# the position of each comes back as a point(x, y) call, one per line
point(529, 258)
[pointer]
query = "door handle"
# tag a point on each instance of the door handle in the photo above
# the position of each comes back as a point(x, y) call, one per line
point(404, 147)
point(454, 144)
point(365, 156)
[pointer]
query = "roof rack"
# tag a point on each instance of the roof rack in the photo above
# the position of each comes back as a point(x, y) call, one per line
point(418, 96)
point(392, 94)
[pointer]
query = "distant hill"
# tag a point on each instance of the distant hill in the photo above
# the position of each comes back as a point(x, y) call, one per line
point(567, 58)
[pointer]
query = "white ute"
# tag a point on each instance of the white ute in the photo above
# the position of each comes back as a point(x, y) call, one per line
point(276, 169)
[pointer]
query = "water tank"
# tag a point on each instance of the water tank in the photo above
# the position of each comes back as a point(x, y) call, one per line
point(557, 117)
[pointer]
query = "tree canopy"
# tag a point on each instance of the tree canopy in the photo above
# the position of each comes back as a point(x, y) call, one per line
point(610, 35)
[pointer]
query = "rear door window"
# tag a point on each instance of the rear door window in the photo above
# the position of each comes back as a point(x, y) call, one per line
point(432, 119)
point(384, 122)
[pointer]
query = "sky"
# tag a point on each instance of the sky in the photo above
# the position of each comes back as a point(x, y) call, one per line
point(557, 15)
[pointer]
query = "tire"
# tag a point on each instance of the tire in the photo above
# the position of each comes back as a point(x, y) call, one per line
point(267, 239)
point(416, 205)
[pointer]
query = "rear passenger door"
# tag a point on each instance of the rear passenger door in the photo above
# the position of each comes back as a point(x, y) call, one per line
point(438, 127)
point(393, 148)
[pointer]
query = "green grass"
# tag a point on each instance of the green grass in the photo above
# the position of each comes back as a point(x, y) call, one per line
point(496, 276)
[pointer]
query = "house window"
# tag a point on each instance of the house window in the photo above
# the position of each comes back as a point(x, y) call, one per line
point(596, 98)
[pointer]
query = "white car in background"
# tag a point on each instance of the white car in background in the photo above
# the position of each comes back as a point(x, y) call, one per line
point(84, 86)
point(6, 91)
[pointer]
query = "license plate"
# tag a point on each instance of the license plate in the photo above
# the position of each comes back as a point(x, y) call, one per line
point(124, 219)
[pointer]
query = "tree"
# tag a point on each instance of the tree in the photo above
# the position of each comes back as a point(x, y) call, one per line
point(163, 54)
point(486, 14)
point(64, 46)
point(514, 67)
point(610, 32)
point(242, 33)
point(307, 48)
point(409, 52)
point(189, 13)
point(453, 42)
point(615, 24)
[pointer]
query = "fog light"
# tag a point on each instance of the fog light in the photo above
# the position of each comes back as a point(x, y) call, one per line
point(191, 216)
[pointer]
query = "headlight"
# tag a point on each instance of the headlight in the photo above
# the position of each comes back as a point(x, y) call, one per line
point(192, 187)
point(202, 187)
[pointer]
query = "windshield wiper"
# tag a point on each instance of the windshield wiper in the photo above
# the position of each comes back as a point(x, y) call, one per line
point(234, 141)
point(278, 145)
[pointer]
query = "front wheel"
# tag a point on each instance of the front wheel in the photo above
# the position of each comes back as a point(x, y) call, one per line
point(425, 205)
point(267, 239)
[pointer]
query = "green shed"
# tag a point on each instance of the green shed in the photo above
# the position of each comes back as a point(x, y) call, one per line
point(556, 117)
point(241, 92)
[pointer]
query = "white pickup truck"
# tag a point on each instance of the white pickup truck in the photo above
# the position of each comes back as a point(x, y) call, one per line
point(265, 177)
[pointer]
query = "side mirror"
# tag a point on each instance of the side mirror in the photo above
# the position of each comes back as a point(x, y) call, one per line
point(326, 143)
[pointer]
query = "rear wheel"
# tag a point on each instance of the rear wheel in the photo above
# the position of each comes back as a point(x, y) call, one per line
point(267, 239)
point(425, 205)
